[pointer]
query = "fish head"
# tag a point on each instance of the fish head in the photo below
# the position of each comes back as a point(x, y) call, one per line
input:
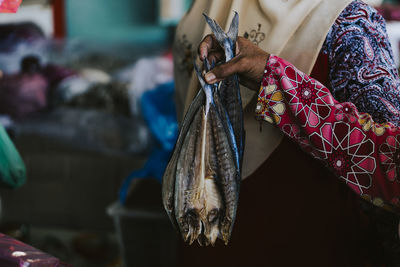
point(191, 226)
point(211, 230)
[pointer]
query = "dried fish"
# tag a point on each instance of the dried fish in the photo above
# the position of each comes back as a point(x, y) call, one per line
point(201, 182)
point(168, 185)
point(229, 89)
point(229, 104)
point(187, 201)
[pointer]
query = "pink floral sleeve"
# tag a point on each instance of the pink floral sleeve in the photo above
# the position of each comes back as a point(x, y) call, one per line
point(364, 154)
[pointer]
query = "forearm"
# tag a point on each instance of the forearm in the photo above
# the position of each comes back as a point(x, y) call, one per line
point(356, 149)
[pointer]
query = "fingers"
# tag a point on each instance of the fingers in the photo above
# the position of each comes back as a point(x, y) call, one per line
point(206, 45)
point(215, 56)
point(222, 71)
point(250, 83)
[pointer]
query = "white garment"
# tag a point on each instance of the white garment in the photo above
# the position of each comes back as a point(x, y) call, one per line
point(373, 2)
point(291, 29)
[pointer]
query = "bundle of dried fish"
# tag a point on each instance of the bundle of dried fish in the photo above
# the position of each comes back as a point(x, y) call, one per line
point(201, 182)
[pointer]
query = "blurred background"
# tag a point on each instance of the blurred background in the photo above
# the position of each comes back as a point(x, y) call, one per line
point(86, 95)
point(74, 77)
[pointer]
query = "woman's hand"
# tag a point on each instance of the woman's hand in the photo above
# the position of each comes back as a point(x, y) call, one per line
point(249, 62)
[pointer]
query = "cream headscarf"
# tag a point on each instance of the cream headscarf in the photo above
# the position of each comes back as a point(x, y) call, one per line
point(291, 29)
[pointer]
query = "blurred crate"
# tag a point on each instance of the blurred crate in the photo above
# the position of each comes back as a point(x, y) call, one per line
point(146, 236)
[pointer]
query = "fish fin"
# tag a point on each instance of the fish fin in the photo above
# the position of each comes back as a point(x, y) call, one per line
point(223, 39)
point(234, 28)
point(207, 88)
point(212, 65)
point(199, 76)
point(207, 65)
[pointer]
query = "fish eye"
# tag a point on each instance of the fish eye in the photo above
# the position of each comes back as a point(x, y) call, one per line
point(213, 215)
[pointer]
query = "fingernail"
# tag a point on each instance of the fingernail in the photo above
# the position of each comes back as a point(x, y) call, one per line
point(210, 77)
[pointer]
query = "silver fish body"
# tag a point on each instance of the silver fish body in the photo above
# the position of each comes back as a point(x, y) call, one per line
point(228, 172)
point(229, 104)
point(186, 184)
point(198, 202)
point(229, 93)
point(229, 89)
point(168, 185)
point(201, 182)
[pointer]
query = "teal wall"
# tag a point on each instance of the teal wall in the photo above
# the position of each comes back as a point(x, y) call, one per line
point(115, 21)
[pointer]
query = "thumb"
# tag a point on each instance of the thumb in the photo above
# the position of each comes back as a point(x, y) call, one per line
point(222, 71)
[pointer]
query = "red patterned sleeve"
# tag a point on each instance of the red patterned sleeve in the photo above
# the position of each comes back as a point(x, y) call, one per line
point(364, 154)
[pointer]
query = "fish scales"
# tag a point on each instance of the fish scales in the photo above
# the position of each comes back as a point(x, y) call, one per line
point(185, 190)
point(229, 93)
point(212, 196)
point(227, 176)
point(168, 185)
point(209, 199)
point(224, 116)
point(201, 182)
point(230, 106)
point(229, 89)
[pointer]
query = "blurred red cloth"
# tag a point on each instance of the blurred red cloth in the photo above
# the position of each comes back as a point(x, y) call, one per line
point(14, 253)
point(9, 6)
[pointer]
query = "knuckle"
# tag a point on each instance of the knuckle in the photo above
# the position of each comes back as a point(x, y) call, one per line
point(244, 61)
point(208, 39)
point(229, 69)
point(220, 71)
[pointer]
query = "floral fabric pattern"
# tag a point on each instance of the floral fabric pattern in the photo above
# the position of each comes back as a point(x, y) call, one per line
point(363, 153)
point(352, 127)
point(389, 154)
point(361, 65)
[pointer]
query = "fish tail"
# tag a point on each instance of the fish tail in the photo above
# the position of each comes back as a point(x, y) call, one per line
point(226, 40)
point(193, 226)
point(220, 35)
point(199, 76)
point(207, 88)
point(234, 28)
